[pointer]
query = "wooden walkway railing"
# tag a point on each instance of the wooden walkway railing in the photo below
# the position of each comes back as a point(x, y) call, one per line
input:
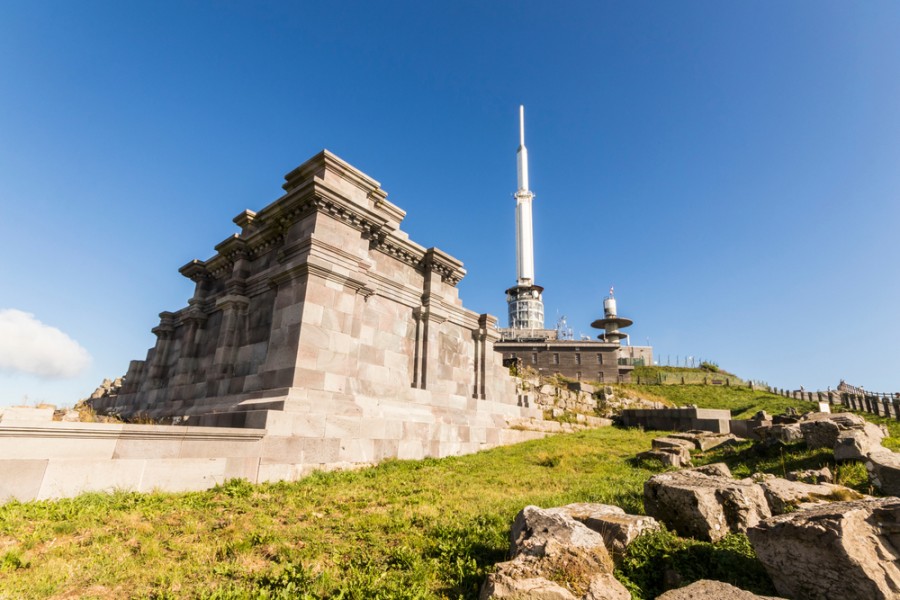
point(876, 403)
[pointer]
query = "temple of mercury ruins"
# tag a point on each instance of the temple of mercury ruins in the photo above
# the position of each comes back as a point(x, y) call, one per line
point(319, 336)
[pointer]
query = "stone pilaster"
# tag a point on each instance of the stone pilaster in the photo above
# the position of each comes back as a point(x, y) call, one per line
point(234, 316)
point(163, 333)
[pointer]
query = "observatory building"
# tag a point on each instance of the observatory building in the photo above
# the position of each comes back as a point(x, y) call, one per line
point(527, 342)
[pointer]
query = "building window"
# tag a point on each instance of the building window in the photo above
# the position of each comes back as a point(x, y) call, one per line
point(599, 359)
point(600, 376)
point(555, 358)
point(578, 375)
point(577, 359)
point(534, 358)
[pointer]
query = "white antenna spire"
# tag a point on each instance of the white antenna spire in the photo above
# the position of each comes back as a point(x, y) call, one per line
point(524, 239)
point(521, 125)
point(522, 154)
point(526, 309)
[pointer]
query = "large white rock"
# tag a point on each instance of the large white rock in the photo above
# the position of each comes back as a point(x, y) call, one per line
point(836, 550)
point(552, 547)
point(703, 506)
point(706, 589)
point(785, 496)
point(858, 443)
point(617, 528)
point(884, 471)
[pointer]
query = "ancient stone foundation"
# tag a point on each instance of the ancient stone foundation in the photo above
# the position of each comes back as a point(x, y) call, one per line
point(325, 328)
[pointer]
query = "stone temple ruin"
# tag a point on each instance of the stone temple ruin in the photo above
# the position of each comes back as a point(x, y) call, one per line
point(322, 305)
point(319, 336)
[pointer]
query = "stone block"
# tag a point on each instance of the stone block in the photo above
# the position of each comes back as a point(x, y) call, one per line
point(342, 427)
point(242, 468)
point(357, 451)
point(67, 478)
point(281, 472)
point(159, 448)
point(287, 450)
point(383, 449)
point(320, 452)
point(21, 479)
point(182, 475)
point(28, 414)
point(411, 450)
point(59, 441)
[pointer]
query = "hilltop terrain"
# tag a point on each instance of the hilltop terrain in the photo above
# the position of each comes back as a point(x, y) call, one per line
point(403, 529)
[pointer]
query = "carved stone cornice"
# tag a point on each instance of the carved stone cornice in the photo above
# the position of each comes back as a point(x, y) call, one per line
point(313, 268)
point(449, 269)
point(167, 323)
point(196, 271)
point(232, 301)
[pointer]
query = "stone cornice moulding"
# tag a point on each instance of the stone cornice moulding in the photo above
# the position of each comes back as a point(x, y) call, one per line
point(133, 432)
point(320, 269)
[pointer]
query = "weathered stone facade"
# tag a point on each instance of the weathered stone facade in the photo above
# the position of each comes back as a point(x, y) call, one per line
point(322, 320)
point(581, 360)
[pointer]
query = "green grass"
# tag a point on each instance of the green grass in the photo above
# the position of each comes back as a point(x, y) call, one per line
point(688, 375)
point(741, 401)
point(656, 561)
point(404, 529)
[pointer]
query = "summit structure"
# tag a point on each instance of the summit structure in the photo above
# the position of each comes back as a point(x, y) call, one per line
point(526, 308)
point(527, 343)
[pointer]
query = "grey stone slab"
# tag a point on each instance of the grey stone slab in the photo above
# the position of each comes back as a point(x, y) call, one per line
point(21, 479)
point(67, 478)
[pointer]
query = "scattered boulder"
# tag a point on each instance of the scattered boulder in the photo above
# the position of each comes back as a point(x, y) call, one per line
point(884, 471)
point(822, 475)
point(820, 433)
point(789, 416)
point(785, 496)
point(706, 589)
point(672, 442)
point(605, 586)
point(617, 528)
point(554, 557)
point(786, 433)
point(704, 440)
point(677, 457)
point(821, 430)
point(836, 550)
point(857, 444)
point(703, 506)
point(500, 585)
point(714, 470)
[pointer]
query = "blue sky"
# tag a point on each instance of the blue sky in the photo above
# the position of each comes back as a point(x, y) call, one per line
point(733, 169)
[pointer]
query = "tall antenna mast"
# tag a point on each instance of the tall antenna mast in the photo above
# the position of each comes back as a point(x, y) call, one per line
point(524, 232)
point(526, 309)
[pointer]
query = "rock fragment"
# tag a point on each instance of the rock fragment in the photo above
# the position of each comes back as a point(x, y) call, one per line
point(554, 555)
point(617, 528)
point(836, 550)
point(702, 506)
point(706, 589)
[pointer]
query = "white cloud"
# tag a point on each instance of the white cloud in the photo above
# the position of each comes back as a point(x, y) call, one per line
point(29, 346)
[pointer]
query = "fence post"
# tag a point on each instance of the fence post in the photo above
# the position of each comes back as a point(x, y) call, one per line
point(896, 402)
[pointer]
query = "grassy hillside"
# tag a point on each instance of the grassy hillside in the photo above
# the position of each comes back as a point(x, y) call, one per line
point(687, 375)
point(412, 529)
point(404, 529)
point(741, 401)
